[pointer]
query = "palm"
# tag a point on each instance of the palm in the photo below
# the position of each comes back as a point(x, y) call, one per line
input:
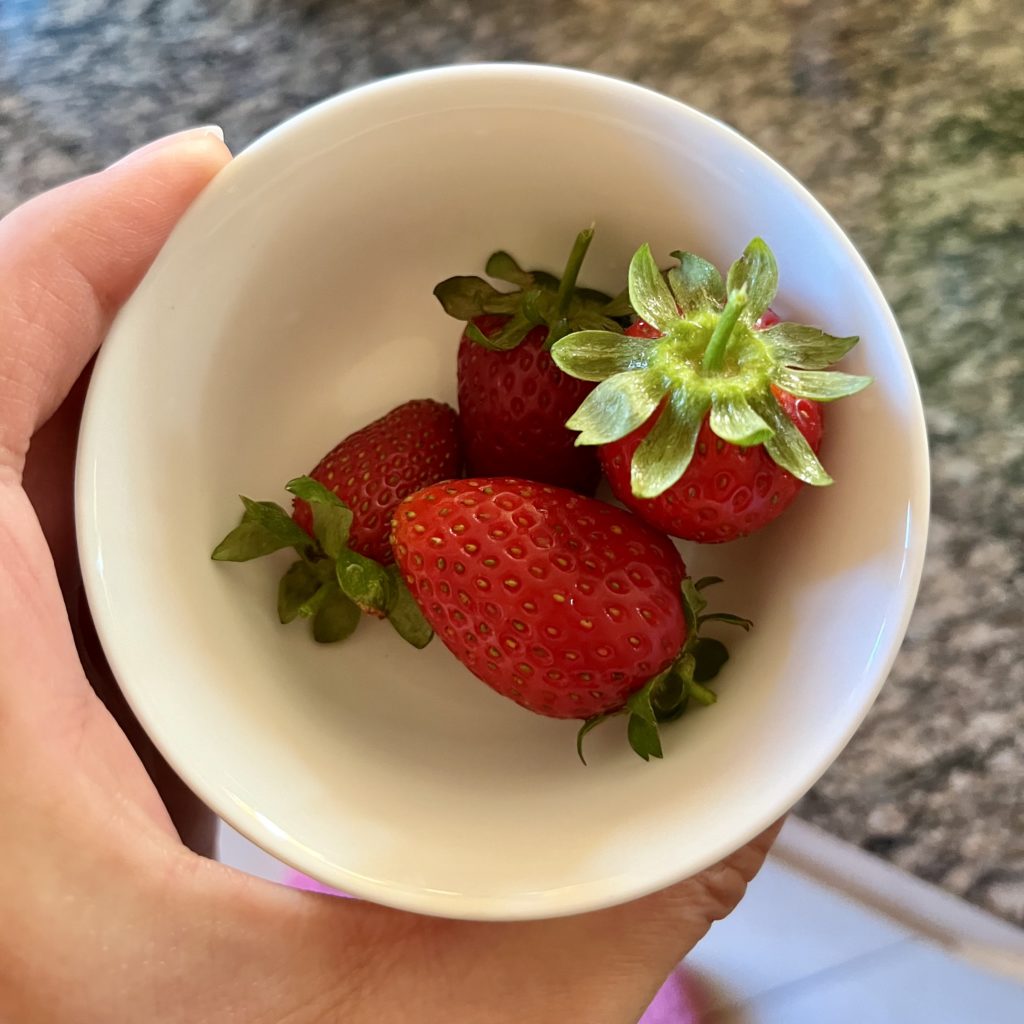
point(49, 483)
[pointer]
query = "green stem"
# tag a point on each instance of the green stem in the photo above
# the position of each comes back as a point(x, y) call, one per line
point(572, 270)
point(714, 354)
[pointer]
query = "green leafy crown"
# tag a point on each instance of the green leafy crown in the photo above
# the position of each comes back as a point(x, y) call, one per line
point(711, 357)
point(539, 299)
point(329, 584)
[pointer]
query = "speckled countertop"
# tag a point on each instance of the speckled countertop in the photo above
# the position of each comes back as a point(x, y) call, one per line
point(907, 121)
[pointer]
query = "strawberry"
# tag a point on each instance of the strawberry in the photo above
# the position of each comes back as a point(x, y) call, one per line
point(707, 418)
point(731, 491)
point(341, 522)
point(374, 468)
point(513, 400)
point(568, 606)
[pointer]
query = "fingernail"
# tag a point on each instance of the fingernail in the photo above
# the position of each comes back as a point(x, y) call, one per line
point(188, 135)
point(209, 129)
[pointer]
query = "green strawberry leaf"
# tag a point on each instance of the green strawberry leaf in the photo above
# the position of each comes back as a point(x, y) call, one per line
point(502, 266)
point(642, 728)
point(591, 297)
point(405, 614)
point(707, 581)
point(664, 454)
point(597, 355)
point(559, 329)
point(709, 656)
point(364, 581)
point(330, 583)
point(308, 489)
point(685, 673)
point(542, 279)
point(332, 518)
point(535, 306)
point(246, 541)
point(297, 586)
point(540, 299)
point(787, 446)
point(643, 737)
point(696, 284)
point(331, 525)
point(732, 620)
point(591, 723)
point(264, 528)
point(701, 694)
point(511, 334)
point(648, 292)
point(734, 420)
point(757, 272)
point(693, 604)
point(618, 406)
point(312, 604)
point(619, 308)
point(336, 618)
point(819, 385)
point(593, 320)
point(805, 347)
point(465, 298)
point(669, 696)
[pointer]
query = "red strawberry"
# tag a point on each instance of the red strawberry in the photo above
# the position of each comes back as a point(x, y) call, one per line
point(373, 469)
point(729, 491)
point(342, 519)
point(568, 606)
point(515, 404)
point(513, 400)
point(707, 419)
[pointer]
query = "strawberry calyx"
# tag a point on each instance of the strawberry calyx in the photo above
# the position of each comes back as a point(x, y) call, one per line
point(714, 359)
point(539, 300)
point(330, 584)
point(666, 696)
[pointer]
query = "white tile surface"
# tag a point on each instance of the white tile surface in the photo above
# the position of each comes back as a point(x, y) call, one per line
point(914, 983)
point(787, 928)
point(881, 887)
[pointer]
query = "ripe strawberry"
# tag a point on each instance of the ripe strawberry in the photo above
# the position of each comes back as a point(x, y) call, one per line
point(341, 523)
point(568, 606)
point(515, 405)
point(513, 400)
point(730, 491)
point(707, 418)
point(373, 469)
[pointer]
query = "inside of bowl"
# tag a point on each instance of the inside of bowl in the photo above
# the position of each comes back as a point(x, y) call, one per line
point(294, 305)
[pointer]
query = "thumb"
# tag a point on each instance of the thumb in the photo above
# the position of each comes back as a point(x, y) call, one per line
point(70, 258)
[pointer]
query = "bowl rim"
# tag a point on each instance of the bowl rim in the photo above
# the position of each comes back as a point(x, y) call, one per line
point(568, 899)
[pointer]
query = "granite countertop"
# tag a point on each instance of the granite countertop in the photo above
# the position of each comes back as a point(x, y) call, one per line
point(906, 120)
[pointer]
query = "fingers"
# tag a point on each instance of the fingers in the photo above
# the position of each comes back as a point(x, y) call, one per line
point(70, 258)
point(713, 894)
point(67, 261)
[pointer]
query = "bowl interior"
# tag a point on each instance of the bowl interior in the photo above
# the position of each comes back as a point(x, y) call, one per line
point(293, 305)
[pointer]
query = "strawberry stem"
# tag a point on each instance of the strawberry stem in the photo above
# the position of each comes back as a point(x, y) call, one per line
point(714, 354)
point(572, 270)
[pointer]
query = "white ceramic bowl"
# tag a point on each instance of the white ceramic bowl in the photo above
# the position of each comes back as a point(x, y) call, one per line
point(292, 305)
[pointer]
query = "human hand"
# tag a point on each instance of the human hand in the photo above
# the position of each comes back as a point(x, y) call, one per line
point(108, 915)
